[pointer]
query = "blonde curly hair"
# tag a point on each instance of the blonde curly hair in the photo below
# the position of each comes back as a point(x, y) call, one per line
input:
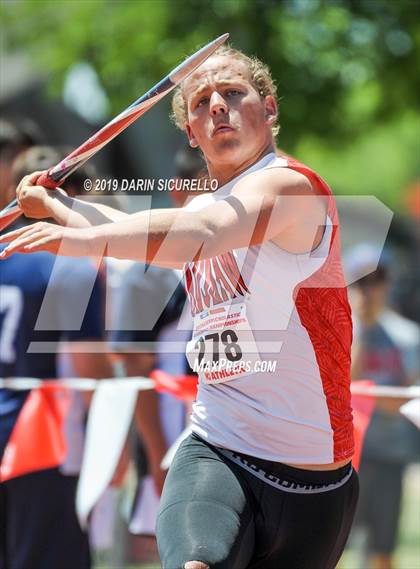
point(260, 78)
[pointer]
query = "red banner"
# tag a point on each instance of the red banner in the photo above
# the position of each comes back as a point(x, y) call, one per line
point(363, 406)
point(37, 441)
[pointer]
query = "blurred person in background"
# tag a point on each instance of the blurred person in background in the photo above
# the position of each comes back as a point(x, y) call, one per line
point(159, 418)
point(16, 136)
point(385, 350)
point(39, 297)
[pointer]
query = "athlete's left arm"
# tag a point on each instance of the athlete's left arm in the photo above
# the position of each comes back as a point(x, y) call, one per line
point(262, 206)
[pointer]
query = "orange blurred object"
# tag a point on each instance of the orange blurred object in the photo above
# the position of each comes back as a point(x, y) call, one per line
point(180, 386)
point(412, 199)
point(37, 441)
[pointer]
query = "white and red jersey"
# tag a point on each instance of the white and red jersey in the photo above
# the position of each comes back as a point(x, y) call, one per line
point(264, 304)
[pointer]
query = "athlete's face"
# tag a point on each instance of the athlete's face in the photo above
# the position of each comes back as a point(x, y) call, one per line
point(227, 117)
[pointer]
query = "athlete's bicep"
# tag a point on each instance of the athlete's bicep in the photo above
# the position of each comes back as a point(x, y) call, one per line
point(241, 221)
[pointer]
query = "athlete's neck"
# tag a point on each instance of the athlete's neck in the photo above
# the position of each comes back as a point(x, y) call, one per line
point(224, 173)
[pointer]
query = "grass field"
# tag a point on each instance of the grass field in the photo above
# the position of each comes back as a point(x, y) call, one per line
point(408, 552)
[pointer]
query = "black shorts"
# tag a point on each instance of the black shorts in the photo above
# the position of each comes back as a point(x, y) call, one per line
point(38, 523)
point(219, 512)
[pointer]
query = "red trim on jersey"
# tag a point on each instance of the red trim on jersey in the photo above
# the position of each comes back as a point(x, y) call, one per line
point(324, 310)
point(213, 281)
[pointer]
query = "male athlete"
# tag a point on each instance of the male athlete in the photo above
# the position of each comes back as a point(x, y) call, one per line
point(265, 480)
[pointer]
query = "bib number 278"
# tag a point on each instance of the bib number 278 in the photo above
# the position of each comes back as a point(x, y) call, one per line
point(229, 341)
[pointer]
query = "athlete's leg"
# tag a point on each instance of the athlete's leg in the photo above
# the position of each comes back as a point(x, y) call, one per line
point(304, 531)
point(206, 512)
point(196, 565)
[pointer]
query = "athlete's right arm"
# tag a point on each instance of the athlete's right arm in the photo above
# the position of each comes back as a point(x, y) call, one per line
point(39, 203)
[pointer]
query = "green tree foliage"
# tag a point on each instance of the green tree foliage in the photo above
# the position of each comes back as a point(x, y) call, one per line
point(342, 66)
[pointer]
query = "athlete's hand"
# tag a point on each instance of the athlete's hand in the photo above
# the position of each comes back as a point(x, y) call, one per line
point(44, 236)
point(35, 200)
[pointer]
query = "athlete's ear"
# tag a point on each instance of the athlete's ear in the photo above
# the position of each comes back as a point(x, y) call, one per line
point(191, 138)
point(270, 109)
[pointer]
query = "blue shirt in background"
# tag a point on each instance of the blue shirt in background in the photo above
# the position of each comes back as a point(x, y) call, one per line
point(71, 310)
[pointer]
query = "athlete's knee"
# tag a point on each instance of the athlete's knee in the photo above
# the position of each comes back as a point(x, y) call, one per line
point(196, 565)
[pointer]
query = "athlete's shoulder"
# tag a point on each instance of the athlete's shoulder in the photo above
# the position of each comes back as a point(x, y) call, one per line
point(274, 180)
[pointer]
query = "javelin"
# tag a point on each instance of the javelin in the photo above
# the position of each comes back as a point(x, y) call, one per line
point(57, 174)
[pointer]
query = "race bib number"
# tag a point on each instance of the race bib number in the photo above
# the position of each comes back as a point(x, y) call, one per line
point(223, 346)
